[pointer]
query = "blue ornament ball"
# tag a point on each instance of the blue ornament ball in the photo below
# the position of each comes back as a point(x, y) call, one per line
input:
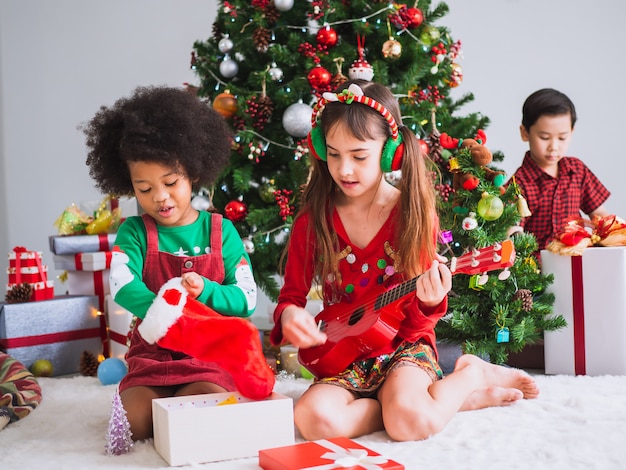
point(111, 371)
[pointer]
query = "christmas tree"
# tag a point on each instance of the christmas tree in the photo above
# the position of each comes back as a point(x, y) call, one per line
point(491, 313)
point(263, 68)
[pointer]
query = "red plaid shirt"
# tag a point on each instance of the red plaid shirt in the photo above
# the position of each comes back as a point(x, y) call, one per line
point(554, 200)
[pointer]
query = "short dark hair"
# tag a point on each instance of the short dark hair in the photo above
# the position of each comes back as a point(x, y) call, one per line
point(158, 124)
point(546, 102)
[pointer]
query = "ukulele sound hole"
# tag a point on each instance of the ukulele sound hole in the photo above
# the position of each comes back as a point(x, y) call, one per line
point(356, 316)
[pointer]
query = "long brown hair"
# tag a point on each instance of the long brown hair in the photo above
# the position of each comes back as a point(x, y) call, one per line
point(416, 220)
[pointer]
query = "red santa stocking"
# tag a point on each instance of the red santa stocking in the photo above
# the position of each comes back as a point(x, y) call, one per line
point(180, 323)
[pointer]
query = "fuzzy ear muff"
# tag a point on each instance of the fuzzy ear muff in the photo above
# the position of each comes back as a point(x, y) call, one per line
point(391, 158)
point(317, 143)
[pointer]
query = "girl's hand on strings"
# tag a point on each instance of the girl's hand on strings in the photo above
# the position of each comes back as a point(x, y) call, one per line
point(433, 285)
point(300, 329)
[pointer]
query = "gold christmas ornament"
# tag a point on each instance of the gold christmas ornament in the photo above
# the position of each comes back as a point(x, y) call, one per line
point(225, 104)
point(522, 207)
point(392, 49)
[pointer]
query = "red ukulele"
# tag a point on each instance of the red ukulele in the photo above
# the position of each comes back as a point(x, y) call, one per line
point(356, 330)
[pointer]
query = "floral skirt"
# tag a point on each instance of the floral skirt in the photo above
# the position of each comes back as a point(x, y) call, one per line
point(365, 377)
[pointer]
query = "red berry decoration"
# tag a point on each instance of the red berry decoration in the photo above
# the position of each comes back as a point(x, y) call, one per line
point(235, 211)
point(327, 36)
point(319, 77)
point(413, 17)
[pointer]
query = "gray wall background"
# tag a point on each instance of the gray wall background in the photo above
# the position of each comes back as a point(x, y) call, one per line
point(60, 60)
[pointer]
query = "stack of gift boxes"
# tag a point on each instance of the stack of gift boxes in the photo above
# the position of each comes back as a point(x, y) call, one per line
point(57, 329)
point(86, 263)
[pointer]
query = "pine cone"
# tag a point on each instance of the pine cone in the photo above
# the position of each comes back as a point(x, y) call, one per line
point(526, 297)
point(261, 38)
point(19, 293)
point(272, 14)
point(434, 144)
point(266, 107)
point(217, 30)
point(88, 364)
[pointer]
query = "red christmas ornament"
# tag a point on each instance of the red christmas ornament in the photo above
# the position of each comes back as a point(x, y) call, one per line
point(327, 36)
point(319, 77)
point(235, 211)
point(414, 17)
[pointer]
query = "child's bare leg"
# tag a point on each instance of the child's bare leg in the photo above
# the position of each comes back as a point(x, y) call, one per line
point(137, 402)
point(415, 408)
point(325, 411)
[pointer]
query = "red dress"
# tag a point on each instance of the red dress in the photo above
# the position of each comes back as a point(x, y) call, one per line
point(150, 364)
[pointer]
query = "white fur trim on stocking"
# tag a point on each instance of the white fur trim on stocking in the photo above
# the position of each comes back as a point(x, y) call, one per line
point(162, 315)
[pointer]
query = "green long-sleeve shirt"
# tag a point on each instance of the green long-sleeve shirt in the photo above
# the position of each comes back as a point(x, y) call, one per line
point(236, 296)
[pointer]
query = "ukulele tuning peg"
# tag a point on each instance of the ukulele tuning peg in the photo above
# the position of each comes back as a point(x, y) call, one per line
point(497, 258)
point(497, 246)
point(504, 275)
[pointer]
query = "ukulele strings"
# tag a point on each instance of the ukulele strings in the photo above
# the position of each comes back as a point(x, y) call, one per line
point(395, 293)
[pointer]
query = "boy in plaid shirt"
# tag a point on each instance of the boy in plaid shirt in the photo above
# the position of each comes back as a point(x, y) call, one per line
point(556, 187)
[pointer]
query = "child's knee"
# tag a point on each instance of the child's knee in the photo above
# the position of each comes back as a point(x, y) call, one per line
point(410, 424)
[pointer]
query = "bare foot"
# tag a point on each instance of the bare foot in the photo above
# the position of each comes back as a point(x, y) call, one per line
point(491, 396)
point(500, 377)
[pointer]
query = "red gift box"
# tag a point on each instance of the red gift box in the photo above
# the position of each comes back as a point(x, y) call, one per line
point(325, 454)
point(24, 258)
point(26, 267)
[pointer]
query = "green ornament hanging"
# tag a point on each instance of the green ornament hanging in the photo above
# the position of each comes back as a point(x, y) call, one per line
point(490, 207)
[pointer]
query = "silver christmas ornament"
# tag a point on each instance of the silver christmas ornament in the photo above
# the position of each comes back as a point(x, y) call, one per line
point(297, 119)
point(229, 68)
point(283, 5)
point(276, 73)
point(225, 45)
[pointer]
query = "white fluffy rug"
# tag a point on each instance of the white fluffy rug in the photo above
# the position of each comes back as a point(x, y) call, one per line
point(576, 423)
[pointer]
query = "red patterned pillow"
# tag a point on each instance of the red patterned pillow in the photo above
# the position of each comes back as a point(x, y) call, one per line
point(20, 392)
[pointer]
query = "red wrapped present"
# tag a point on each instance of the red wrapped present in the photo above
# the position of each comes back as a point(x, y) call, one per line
point(23, 257)
point(27, 274)
point(26, 267)
point(325, 454)
point(90, 261)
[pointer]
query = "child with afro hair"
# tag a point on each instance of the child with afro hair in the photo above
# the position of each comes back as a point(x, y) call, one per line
point(159, 145)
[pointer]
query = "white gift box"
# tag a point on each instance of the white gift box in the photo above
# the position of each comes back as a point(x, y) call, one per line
point(94, 261)
point(118, 325)
point(89, 283)
point(590, 293)
point(220, 426)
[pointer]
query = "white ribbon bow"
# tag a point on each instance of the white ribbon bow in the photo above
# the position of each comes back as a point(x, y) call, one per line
point(346, 458)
